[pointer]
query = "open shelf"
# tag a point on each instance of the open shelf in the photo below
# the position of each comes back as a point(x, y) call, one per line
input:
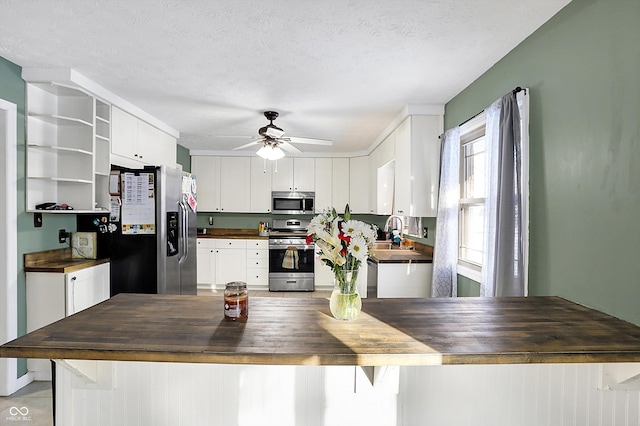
point(60, 149)
point(62, 90)
point(61, 120)
point(68, 147)
point(60, 179)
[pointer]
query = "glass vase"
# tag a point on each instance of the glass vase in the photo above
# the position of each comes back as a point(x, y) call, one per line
point(345, 302)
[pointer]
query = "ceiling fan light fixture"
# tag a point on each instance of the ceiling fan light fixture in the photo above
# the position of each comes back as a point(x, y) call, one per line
point(270, 152)
point(263, 151)
point(276, 153)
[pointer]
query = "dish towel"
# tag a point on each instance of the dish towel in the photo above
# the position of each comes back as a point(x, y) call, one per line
point(290, 260)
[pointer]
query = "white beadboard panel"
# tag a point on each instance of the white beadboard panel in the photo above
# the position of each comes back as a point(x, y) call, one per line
point(202, 394)
point(527, 395)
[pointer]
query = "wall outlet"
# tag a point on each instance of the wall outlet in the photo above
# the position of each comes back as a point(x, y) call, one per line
point(62, 236)
point(425, 232)
point(37, 220)
point(211, 220)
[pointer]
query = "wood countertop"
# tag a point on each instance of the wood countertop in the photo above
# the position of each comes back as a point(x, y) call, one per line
point(400, 256)
point(58, 261)
point(292, 331)
point(232, 233)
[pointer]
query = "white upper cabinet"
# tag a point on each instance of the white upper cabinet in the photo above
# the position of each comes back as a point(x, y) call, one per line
point(359, 185)
point(207, 172)
point(340, 183)
point(293, 174)
point(417, 162)
point(332, 184)
point(260, 185)
point(155, 146)
point(235, 184)
point(382, 176)
point(323, 199)
point(136, 143)
point(124, 130)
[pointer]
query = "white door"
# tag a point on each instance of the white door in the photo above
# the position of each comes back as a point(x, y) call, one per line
point(124, 134)
point(235, 184)
point(304, 174)
point(231, 265)
point(87, 287)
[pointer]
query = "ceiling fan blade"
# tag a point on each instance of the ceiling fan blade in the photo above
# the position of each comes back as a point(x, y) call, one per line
point(252, 143)
point(310, 141)
point(288, 147)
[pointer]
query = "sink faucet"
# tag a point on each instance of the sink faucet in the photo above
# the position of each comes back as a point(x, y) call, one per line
point(391, 220)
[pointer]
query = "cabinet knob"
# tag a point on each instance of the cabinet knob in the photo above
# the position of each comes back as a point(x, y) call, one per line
point(73, 278)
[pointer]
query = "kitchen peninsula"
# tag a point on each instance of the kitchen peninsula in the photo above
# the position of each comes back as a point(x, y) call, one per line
point(188, 354)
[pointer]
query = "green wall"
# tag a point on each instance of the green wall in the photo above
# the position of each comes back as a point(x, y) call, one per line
point(183, 158)
point(30, 239)
point(582, 68)
point(251, 221)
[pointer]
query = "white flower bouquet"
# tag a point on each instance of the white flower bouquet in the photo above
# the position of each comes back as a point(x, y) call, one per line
point(343, 243)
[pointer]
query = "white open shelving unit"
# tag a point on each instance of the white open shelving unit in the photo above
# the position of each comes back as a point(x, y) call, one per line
point(68, 147)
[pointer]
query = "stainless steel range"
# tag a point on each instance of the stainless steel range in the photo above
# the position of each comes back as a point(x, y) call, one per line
point(290, 257)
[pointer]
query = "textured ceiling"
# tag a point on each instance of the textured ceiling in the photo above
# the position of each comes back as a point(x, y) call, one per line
point(339, 70)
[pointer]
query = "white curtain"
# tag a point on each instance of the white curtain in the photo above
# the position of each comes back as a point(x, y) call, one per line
point(445, 277)
point(503, 270)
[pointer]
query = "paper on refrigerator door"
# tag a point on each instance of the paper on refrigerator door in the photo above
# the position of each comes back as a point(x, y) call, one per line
point(138, 204)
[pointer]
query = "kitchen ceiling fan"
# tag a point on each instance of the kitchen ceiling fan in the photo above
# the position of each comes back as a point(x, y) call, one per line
point(272, 143)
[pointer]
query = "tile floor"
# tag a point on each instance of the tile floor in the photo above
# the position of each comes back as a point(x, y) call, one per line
point(36, 396)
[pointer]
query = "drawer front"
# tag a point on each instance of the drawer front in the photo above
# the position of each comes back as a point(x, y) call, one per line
point(258, 263)
point(206, 243)
point(257, 253)
point(257, 276)
point(258, 244)
point(229, 243)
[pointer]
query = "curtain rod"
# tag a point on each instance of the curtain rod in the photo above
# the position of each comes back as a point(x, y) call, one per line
point(514, 91)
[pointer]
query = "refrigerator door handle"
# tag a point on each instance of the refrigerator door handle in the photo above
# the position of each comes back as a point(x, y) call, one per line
point(185, 233)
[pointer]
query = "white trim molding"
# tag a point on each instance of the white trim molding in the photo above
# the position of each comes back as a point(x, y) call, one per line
point(9, 382)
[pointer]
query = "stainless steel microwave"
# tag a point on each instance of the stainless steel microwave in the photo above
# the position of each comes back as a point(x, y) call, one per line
point(283, 202)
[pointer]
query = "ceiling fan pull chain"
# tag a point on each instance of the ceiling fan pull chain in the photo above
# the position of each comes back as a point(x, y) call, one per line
point(264, 165)
point(276, 169)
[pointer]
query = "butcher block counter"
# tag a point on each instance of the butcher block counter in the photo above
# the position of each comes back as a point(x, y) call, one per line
point(400, 256)
point(58, 260)
point(291, 331)
point(232, 233)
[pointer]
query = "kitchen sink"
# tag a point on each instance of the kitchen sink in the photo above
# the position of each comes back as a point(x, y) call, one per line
point(382, 245)
point(386, 245)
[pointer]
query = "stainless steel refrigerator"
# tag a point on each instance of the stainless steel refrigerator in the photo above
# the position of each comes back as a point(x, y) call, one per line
point(150, 233)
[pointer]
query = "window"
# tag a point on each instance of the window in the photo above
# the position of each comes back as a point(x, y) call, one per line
point(473, 177)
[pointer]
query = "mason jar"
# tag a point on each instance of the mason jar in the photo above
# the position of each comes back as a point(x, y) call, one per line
point(236, 300)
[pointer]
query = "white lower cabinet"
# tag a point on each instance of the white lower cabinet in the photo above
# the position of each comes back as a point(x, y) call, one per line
point(323, 277)
point(258, 264)
point(404, 279)
point(206, 260)
point(231, 261)
point(224, 260)
point(52, 296)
